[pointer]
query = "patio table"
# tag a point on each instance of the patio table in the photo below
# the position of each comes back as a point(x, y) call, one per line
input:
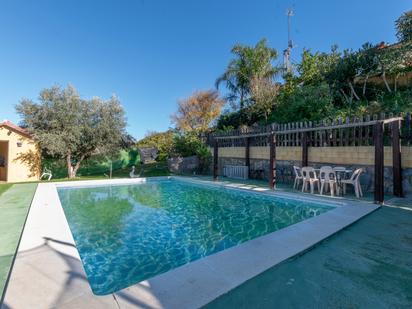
point(339, 174)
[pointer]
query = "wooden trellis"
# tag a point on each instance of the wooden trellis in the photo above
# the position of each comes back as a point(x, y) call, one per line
point(368, 131)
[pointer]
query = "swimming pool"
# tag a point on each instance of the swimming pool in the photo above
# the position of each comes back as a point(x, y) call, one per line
point(129, 233)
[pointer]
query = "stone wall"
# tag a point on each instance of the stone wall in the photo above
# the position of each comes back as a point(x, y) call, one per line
point(187, 165)
point(350, 157)
point(148, 154)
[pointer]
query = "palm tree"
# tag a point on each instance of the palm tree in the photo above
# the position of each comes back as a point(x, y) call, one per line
point(249, 62)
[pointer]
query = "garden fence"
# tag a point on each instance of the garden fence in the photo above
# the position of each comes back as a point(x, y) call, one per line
point(376, 130)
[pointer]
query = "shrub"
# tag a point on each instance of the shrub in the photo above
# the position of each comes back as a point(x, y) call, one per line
point(190, 144)
point(163, 141)
point(96, 165)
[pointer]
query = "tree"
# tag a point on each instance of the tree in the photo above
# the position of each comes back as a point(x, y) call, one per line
point(342, 75)
point(394, 61)
point(367, 63)
point(197, 112)
point(308, 68)
point(248, 62)
point(326, 84)
point(72, 128)
point(263, 92)
point(314, 67)
point(404, 27)
point(163, 141)
point(189, 143)
point(308, 103)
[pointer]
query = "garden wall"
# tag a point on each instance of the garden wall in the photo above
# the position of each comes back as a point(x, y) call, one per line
point(351, 157)
point(186, 165)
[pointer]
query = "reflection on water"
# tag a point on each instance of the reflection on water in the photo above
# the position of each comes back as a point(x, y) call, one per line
point(129, 233)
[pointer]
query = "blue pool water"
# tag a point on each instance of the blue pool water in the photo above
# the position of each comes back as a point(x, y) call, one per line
point(129, 233)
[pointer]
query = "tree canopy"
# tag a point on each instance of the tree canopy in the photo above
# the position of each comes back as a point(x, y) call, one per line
point(73, 128)
point(337, 83)
point(163, 141)
point(404, 27)
point(375, 78)
point(197, 112)
point(249, 61)
point(264, 96)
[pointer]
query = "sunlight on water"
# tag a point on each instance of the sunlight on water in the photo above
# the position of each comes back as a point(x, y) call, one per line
point(129, 233)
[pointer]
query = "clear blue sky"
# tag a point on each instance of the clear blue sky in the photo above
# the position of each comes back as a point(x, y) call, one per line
point(153, 52)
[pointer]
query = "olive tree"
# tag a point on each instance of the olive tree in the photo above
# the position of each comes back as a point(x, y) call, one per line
point(72, 128)
point(404, 27)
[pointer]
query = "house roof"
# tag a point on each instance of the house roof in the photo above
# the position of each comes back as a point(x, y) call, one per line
point(383, 45)
point(14, 127)
point(407, 56)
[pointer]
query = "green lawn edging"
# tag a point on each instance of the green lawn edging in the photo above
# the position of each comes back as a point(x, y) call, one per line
point(15, 203)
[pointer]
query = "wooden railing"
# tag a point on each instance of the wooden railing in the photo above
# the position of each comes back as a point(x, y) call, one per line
point(377, 131)
point(332, 133)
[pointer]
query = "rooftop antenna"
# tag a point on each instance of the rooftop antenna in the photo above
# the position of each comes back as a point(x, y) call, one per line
point(286, 53)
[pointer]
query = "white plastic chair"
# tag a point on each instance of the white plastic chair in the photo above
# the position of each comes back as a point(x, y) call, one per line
point(46, 172)
point(339, 168)
point(340, 171)
point(309, 177)
point(354, 181)
point(328, 178)
point(298, 176)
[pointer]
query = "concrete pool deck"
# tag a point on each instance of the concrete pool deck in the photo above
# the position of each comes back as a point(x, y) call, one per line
point(367, 265)
point(48, 272)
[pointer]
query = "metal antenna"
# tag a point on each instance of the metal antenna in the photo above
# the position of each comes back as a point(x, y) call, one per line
point(286, 53)
point(289, 13)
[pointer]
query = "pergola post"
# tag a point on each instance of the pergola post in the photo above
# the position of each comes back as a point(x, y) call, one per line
point(215, 159)
point(272, 161)
point(304, 149)
point(396, 159)
point(379, 163)
point(247, 153)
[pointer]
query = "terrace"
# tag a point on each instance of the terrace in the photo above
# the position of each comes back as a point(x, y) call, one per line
point(290, 188)
point(53, 247)
point(331, 239)
point(359, 142)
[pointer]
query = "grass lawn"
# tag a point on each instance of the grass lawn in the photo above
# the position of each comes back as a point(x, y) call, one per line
point(15, 201)
point(155, 169)
point(4, 187)
point(146, 170)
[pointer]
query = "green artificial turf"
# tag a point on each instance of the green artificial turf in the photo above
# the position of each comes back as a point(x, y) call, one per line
point(15, 201)
point(4, 187)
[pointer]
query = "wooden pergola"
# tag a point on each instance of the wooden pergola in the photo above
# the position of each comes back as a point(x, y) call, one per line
point(336, 133)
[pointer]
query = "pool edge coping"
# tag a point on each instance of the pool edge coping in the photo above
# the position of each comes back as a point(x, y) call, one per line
point(199, 282)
